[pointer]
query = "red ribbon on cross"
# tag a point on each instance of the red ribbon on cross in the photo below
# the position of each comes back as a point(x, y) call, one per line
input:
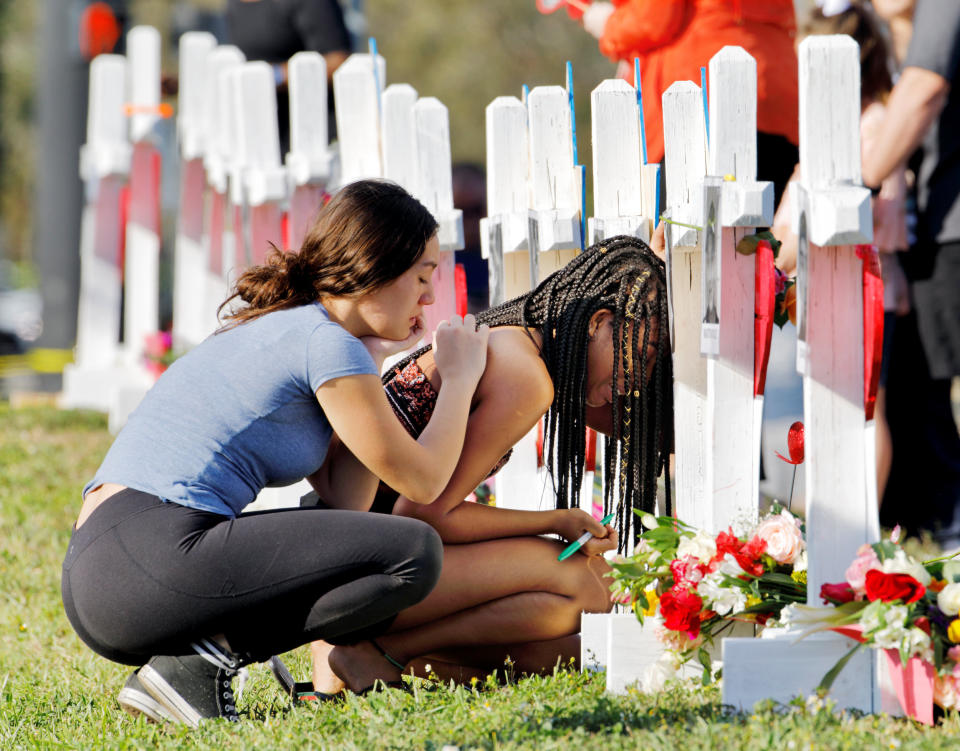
point(764, 302)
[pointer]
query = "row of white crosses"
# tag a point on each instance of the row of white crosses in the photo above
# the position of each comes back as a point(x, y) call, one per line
point(124, 105)
point(533, 227)
point(831, 214)
point(234, 189)
point(393, 133)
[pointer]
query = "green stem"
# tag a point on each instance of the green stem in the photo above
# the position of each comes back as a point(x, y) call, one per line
point(944, 558)
point(680, 224)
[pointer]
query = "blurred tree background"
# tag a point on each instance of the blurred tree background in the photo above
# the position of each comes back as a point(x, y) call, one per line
point(18, 59)
point(464, 53)
point(468, 53)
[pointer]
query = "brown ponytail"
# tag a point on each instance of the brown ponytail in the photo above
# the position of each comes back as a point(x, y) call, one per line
point(369, 234)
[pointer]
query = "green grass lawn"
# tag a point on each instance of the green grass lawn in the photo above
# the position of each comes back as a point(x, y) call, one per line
point(55, 693)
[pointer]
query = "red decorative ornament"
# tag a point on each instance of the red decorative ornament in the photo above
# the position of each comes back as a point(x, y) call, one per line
point(99, 30)
point(794, 444)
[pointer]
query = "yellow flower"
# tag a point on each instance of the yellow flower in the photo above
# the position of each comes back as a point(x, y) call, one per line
point(800, 577)
point(953, 633)
point(753, 600)
point(652, 600)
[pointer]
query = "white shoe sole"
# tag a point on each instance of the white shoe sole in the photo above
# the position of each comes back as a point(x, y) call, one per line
point(136, 703)
point(169, 699)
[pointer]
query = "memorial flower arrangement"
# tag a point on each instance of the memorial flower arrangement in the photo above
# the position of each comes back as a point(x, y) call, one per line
point(698, 583)
point(889, 600)
point(158, 354)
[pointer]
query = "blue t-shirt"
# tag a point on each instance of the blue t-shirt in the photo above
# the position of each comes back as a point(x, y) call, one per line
point(237, 413)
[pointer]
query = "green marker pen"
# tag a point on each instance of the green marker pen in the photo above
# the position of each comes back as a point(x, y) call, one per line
point(574, 546)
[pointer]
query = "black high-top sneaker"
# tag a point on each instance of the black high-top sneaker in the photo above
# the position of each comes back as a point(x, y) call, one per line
point(194, 687)
point(136, 701)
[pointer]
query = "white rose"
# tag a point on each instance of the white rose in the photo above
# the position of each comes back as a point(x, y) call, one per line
point(901, 563)
point(649, 521)
point(783, 537)
point(948, 599)
point(701, 546)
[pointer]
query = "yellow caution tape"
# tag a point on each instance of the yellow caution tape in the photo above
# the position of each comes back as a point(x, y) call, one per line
point(41, 360)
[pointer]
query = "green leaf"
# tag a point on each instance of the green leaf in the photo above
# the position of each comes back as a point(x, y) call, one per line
point(832, 674)
point(704, 659)
point(748, 243)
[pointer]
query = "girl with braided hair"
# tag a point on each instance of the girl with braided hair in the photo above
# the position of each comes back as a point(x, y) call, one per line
point(587, 348)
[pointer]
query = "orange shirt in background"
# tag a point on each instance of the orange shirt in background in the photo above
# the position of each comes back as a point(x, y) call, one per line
point(675, 38)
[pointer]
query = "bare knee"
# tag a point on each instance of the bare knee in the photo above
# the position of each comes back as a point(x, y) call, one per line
point(593, 586)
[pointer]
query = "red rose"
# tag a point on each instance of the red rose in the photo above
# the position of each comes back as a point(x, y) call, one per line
point(923, 623)
point(837, 594)
point(681, 611)
point(890, 587)
point(749, 556)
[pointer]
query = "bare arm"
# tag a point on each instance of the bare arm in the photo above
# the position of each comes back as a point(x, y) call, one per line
point(360, 415)
point(915, 102)
point(513, 395)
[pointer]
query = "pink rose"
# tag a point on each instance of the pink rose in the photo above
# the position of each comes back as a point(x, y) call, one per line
point(954, 653)
point(856, 574)
point(783, 537)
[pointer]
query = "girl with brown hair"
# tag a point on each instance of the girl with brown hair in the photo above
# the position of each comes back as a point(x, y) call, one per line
point(162, 572)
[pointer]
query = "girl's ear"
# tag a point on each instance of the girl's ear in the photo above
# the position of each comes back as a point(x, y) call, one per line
point(597, 320)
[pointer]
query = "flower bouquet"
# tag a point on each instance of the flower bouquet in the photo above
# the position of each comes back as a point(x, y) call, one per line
point(699, 583)
point(911, 609)
point(158, 354)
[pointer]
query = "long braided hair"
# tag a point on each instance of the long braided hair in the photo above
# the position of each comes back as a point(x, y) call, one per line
point(624, 276)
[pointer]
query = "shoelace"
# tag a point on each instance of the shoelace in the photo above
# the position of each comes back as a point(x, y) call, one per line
point(216, 655)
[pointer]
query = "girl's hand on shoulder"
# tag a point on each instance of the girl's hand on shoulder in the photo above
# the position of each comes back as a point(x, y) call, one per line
point(380, 349)
point(460, 350)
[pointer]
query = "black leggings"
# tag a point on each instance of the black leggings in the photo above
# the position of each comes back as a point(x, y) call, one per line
point(143, 577)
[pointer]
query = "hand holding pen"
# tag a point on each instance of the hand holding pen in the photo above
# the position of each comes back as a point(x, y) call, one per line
point(595, 540)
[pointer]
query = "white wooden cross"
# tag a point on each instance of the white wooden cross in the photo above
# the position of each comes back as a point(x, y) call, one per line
point(556, 186)
point(310, 161)
point(503, 232)
point(142, 263)
point(190, 317)
point(624, 187)
point(534, 194)
point(717, 417)
point(832, 213)
point(357, 88)
point(434, 189)
point(141, 281)
point(734, 414)
point(262, 176)
point(88, 382)
point(218, 225)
